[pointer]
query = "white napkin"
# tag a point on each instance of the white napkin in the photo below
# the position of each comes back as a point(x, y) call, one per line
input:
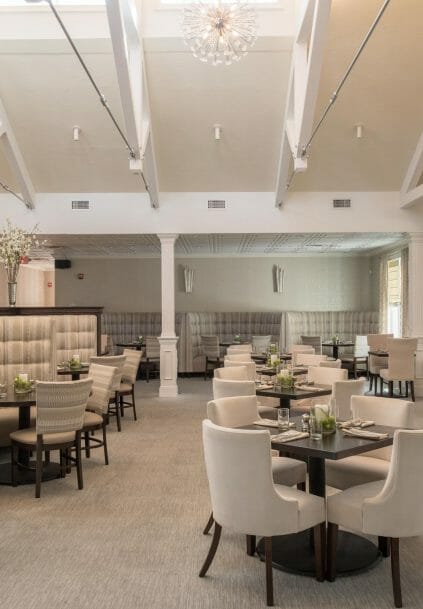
point(368, 435)
point(270, 423)
point(355, 423)
point(264, 387)
point(290, 435)
point(306, 387)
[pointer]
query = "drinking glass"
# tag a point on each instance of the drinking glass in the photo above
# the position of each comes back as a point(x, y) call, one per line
point(315, 427)
point(283, 418)
point(3, 389)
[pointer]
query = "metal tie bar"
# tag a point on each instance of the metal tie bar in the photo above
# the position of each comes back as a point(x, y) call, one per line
point(15, 194)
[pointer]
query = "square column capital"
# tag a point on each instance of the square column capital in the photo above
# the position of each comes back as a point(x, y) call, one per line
point(167, 238)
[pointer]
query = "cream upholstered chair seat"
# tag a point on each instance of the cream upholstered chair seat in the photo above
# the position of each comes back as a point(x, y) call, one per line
point(29, 437)
point(92, 418)
point(245, 499)
point(129, 377)
point(390, 509)
point(372, 465)
point(117, 362)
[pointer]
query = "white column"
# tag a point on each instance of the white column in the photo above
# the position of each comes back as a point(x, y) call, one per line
point(415, 303)
point(168, 338)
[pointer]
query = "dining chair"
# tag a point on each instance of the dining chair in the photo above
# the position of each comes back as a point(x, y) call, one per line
point(260, 344)
point(96, 414)
point(117, 361)
point(321, 375)
point(129, 377)
point(240, 411)
point(377, 342)
point(359, 360)
point(234, 381)
point(237, 349)
point(313, 341)
point(104, 341)
point(211, 351)
point(342, 391)
point(250, 366)
point(238, 357)
point(309, 359)
point(58, 425)
point(390, 509)
point(330, 363)
point(401, 365)
point(296, 349)
point(245, 499)
point(152, 354)
point(372, 465)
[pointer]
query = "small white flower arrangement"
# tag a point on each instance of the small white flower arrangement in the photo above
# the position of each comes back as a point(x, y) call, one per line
point(15, 244)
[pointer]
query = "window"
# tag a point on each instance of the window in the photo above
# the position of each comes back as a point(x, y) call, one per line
point(394, 296)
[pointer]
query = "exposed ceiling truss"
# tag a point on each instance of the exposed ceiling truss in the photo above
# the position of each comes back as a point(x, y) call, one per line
point(303, 89)
point(15, 159)
point(412, 188)
point(129, 61)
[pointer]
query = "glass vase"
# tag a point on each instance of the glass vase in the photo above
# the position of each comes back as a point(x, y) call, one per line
point(11, 290)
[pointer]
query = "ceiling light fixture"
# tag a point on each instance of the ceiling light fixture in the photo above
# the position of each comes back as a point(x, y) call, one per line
point(221, 34)
point(359, 131)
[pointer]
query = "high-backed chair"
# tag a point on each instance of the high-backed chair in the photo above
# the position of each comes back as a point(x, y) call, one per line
point(237, 349)
point(58, 424)
point(401, 364)
point(359, 360)
point(234, 381)
point(96, 414)
point(372, 465)
point(321, 375)
point(342, 391)
point(238, 357)
point(330, 363)
point(129, 377)
point(118, 362)
point(232, 373)
point(211, 351)
point(377, 342)
point(240, 411)
point(245, 499)
point(295, 349)
point(152, 354)
point(313, 341)
point(309, 359)
point(390, 509)
point(105, 348)
point(248, 365)
point(261, 344)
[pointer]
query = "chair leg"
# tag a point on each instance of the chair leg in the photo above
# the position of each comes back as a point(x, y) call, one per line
point(413, 397)
point(269, 571)
point(384, 546)
point(391, 389)
point(208, 525)
point(406, 389)
point(87, 444)
point(62, 464)
point(301, 486)
point(47, 456)
point(376, 384)
point(400, 387)
point(79, 460)
point(332, 545)
point(395, 569)
point(371, 382)
point(251, 545)
point(133, 403)
point(122, 409)
point(205, 371)
point(106, 452)
point(319, 535)
point(212, 551)
point(39, 467)
point(119, 427)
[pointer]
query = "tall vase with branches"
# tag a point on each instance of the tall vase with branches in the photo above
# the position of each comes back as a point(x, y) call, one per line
point(15, 244)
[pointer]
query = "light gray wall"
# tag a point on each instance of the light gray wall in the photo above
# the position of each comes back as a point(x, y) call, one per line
point(222, 284)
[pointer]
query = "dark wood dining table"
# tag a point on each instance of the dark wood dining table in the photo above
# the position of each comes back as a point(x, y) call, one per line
point(335, 346)
point(286, 394)
point(134, 344)
point(74, 373)
point(24, 401)
point(295, 553)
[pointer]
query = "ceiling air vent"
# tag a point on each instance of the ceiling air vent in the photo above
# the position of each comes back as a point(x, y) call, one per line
point(80, 205)
point(216, 204)
point(341, 203)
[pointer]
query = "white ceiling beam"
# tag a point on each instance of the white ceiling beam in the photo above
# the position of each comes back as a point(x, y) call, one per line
point(130, 68)
point(15, 159)
point(411, 193)
point(307, 59)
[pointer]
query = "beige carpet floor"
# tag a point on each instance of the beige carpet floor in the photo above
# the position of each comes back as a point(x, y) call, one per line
point(132, 538)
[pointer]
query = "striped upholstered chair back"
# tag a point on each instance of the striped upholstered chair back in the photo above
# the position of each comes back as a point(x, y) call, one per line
point(130, 368)
point(117, 361)
point(102, 377)
point(61, 405)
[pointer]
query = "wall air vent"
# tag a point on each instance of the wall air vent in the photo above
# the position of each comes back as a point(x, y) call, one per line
point(80, 205)
point(341, 203)
point(216, 204)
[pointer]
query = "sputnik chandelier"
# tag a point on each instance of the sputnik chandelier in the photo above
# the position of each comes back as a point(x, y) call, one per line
point(220, 33)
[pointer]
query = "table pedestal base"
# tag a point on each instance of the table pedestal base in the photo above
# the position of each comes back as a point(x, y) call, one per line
point(25, 476)
point(295, 554)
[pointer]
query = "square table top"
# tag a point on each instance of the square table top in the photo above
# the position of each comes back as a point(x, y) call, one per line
point(341, 343)
point(17, 400)
point(335, 446)
point(295, 394)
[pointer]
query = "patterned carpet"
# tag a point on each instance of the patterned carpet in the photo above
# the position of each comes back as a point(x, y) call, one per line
point(132, 538)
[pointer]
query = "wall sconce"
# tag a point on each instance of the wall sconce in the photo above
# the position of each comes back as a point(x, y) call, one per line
point(278, 279)
point(189, 279)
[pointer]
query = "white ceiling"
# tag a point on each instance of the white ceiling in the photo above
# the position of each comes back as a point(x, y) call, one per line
point(128, 246)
